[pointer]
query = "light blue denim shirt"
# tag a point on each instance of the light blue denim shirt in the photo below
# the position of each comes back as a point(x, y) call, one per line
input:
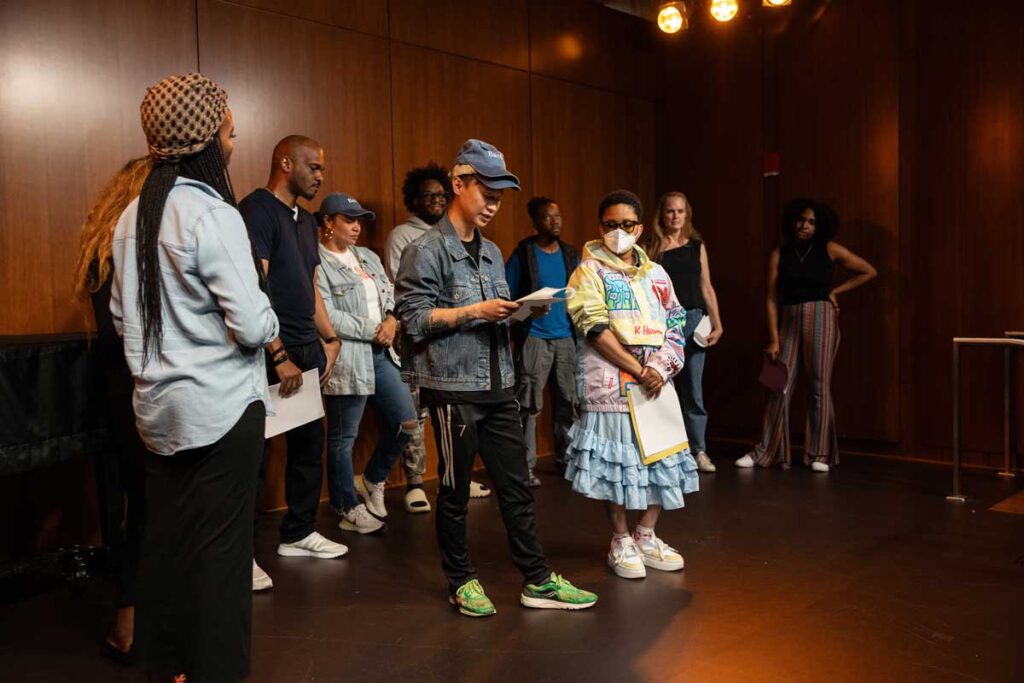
point(437, 272)
point(345, 299)
point(215, 321)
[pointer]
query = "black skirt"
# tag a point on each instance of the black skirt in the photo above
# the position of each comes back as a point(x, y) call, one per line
point(194, 610)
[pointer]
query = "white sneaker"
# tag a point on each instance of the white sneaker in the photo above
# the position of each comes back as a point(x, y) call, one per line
point(704, 463)
point(373, 494)
point(625, 560)
point(818, 466)
point(657, 554)
point(359, 520)
point(416, 501)
point(746, 461)
point(261, 581)
point(313, 545)
point(478, 490)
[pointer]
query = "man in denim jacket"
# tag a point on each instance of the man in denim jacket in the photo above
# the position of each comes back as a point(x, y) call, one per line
point(452, 301)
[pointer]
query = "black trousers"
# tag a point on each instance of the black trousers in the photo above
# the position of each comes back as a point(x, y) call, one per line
point(496, 432)
point(303, 473)
point(194, 610)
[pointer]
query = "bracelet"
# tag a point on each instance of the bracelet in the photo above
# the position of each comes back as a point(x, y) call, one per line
point(331, 340)
point(278, 360)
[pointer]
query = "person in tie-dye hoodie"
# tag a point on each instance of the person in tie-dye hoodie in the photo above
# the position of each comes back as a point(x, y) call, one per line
point(624, 306)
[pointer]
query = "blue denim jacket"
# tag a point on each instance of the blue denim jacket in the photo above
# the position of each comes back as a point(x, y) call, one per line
point(215, 319)
point(345, 299)
point(437, 272)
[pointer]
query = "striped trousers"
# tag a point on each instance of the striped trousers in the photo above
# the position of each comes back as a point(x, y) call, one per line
point(809, 339)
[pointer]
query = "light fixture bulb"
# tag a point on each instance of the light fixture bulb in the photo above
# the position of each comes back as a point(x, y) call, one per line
point(776, 3)
point(724, 10)
point(672, 17)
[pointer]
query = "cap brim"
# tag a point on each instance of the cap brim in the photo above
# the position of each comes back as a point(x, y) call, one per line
point(504, 182)
point(365, 213)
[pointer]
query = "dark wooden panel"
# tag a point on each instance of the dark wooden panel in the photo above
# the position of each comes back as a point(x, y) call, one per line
point(577, 41)
point(325, 82)
point(838, 138)
point(72, 75)
point(969, 246)
point(710, 142)
point(492, 30)
point(368, 16)
point(439, 103)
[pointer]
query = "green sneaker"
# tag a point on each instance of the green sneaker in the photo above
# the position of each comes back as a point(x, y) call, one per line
point(556, 593)
point(472, 601)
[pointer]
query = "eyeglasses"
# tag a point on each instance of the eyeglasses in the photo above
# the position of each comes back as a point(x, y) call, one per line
point(627, 226)
point(434, 197)
point(552, 218)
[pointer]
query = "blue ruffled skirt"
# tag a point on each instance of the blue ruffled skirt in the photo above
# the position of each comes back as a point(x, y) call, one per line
point(603, 463)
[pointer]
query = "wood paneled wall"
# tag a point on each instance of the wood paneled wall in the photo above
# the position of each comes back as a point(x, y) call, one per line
point(384, 85)
point(908, 117)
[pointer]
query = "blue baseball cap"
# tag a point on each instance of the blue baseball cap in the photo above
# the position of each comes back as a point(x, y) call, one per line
point(345, 204)
point(487, 162)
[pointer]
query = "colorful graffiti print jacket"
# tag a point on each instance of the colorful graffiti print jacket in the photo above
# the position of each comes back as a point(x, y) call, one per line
point(637, 303)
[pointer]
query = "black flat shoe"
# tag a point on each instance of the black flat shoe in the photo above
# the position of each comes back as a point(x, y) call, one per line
point(114, 654)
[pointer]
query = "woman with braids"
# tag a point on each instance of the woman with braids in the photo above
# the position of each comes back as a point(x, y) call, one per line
point(92, 281)
point(800, 274)
point(187, 301)
point(679, 248)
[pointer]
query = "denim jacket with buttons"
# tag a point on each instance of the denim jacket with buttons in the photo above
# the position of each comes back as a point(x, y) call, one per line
point(437, 272)
point(345, 299)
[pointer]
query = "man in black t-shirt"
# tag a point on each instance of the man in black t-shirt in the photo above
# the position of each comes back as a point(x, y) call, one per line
point(284, 237)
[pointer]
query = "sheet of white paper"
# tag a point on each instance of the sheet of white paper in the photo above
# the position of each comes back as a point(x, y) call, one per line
point(659, 421)
point(303, 406)
point(701, 332)
point(542, 297)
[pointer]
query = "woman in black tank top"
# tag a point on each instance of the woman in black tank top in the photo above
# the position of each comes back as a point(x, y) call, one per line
point(800, 276)
point(677, 245)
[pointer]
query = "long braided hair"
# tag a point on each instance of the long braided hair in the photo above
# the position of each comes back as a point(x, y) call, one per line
point(206, 166)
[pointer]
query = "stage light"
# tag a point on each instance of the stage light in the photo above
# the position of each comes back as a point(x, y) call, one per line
point(673, 17)
point(776, 3)
point(724, 10)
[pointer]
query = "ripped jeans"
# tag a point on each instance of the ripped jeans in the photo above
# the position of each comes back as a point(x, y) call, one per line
point(393, 405)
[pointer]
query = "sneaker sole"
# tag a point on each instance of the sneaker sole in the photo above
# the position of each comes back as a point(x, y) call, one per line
point(345, 525)
point(663, 566)
point(545, 603)
point(417, 509)
point(299, 552)
point(259, 587)
point(624, 573)
point(463, 610)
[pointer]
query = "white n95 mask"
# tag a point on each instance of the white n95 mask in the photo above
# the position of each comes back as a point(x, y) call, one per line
point(619, 241)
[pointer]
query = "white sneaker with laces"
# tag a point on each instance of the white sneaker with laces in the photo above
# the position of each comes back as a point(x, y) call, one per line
point(625, 560)
point(373, 494)
point(359, 520)
point(819, 466)
point(746, 461)
point(478, 490)
point(416, 501)
point(704, 463)
point(261, 581)
point(657, 554)
point(313, 545)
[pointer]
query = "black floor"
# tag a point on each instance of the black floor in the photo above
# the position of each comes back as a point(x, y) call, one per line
point(866, 574)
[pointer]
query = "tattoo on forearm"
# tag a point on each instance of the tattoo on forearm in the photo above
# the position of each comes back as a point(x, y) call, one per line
point(439, 322)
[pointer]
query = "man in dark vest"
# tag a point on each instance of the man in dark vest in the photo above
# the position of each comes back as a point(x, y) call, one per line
point(545, 348)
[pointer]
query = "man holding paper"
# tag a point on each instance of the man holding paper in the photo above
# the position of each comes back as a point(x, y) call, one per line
point(545, 347)
point(453, 303)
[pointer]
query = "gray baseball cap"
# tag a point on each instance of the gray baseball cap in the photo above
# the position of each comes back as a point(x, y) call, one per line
point(487, 162)
point(345, 204)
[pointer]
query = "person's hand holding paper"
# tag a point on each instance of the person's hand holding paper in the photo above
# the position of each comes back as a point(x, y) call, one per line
point(542, 298)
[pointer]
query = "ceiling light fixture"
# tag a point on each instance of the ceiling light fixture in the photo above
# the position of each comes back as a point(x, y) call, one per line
point(724, 10)
point(673, 17)
point(776, 3)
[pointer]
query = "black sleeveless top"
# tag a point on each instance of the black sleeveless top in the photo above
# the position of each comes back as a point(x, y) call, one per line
point(683, 265)
point(805, 273)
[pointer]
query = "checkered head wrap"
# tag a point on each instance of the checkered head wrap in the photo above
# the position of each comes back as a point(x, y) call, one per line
point(182, 114)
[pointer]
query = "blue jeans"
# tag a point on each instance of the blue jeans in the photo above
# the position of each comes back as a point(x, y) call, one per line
point(393, 404)
point(688, 385)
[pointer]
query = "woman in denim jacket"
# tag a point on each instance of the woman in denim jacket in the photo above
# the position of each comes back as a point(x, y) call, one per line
point(360, 298)
point(625, 307)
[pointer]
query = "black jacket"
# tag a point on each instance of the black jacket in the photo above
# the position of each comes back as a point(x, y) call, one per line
point(530, 282)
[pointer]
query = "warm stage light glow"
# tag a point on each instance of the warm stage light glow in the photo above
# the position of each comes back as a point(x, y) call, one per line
point(724, 10)
point(776, 3)
point(672, 17)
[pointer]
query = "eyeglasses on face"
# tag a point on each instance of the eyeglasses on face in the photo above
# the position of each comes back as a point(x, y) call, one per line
point(627, 226)
point(434, 197)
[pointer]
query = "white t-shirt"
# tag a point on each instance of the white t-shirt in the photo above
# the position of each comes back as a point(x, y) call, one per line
point(351, 261)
